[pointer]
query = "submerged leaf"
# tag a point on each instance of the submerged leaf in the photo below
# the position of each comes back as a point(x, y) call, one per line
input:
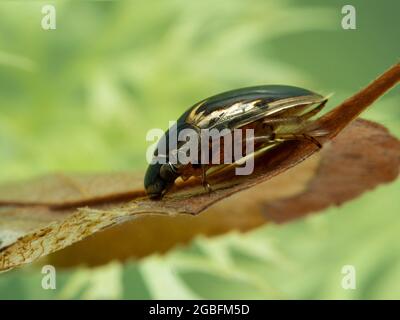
point(45, 216)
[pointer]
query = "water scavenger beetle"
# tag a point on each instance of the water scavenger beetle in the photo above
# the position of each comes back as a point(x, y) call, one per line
point(276, 113)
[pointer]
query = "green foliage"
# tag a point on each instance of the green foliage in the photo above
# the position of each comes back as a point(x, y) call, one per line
point(82, 97)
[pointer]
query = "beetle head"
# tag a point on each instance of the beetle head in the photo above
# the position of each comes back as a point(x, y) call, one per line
point(158, 179)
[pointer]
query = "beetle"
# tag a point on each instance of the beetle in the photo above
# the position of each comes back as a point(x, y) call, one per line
point(276, 113)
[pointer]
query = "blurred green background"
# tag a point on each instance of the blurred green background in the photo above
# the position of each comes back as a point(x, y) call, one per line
point(82, 97)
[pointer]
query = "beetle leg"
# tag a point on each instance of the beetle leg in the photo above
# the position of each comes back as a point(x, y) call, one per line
point(261, 139)
point(275, 138)
point(314, 111)
point(297, 136)
point(280, 137)
point(205, 184)
point(295, 119)
point(290, 120)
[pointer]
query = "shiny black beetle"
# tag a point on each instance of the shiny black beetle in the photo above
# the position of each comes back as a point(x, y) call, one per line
point(276, 113)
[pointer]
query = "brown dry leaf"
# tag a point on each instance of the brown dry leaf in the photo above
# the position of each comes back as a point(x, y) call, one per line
point(341, 171)
point(43, 216)
point(373, 156)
